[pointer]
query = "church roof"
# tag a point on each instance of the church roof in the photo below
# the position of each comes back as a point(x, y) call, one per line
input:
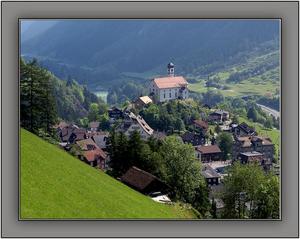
point(170, 82)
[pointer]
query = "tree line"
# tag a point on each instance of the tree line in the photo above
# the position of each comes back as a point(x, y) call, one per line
point(169, 159)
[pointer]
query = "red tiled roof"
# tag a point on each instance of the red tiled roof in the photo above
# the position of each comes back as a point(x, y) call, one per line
point(170, 82)
point(91, 155)
point(201, 123)
point(208, 149)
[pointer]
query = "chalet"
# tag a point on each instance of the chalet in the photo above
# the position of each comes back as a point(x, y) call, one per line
point(221, 167)
point(218, 116)
point(72, 133)
point(210, 175)
point(95, 158)
point(201, 125)
point(92, 154)
point(87, 144)
point(133, 123)
point(169, 87)
point(255, 157)
point(260, 144)
point(115, 113)
point(94, 126)
point(243, 130)
point(208, 153)
point(142, 101)
point(193, 138)
point(143, 181)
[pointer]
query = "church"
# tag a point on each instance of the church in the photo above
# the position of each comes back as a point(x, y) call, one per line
point(169, 87)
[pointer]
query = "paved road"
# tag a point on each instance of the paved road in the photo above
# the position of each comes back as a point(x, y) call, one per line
point(270, 111)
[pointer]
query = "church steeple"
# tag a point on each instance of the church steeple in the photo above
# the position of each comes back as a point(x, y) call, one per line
point(171, 69)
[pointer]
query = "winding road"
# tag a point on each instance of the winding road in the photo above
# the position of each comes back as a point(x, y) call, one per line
point(270, 111)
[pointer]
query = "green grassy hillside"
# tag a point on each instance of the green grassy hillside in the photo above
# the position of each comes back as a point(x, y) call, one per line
point(258, 74)
point(56, 185)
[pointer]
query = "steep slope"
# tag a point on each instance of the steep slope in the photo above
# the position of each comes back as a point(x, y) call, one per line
point(100, 51)
point(57, 185)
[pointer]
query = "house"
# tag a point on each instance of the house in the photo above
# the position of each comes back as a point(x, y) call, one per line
point(143, 181)
point(100, 138)
point(208, 153)
point(91, 153)
point(260, 144)
point(243, 130)
point(193, 138)
point(95, 158)
point(72, 133)
point(79, 134)
point(169, 87)
point(255, 157)
point(210, 175)
point(218, 116)
point(86, 144)
point(133, 123)
point(115, 113)
point(142, 101)
point(221, 167)
point(201, 125)
point(94, 126)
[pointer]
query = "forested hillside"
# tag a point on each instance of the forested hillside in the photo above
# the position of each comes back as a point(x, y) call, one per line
point(44, 97)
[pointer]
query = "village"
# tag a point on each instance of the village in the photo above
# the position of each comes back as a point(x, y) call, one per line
point(91, 144)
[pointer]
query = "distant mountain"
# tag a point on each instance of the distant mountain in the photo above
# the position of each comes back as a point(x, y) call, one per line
point(100, 53)
point(33, 28)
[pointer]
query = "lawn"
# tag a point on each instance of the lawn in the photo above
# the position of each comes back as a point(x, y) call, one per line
point(246, 87)
point(55, 185)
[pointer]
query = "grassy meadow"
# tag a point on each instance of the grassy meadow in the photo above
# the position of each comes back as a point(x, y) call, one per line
point(55, 185)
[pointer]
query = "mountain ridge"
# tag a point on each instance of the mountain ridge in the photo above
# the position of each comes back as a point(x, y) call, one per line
point(99, 52)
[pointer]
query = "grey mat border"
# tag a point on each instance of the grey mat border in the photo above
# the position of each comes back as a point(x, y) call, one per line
point(11, 11)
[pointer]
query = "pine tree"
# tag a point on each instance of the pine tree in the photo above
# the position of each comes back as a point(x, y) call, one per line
point(37, 102)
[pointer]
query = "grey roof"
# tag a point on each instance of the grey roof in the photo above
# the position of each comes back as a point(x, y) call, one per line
point(221, 112)
point(253, 153)
point(208, 172)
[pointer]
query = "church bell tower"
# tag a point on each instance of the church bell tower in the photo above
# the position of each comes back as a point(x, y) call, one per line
point(171, 69)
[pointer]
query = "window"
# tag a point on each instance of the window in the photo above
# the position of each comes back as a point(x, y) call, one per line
point(164, 95)
point(170, 95)
point(176, 94)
